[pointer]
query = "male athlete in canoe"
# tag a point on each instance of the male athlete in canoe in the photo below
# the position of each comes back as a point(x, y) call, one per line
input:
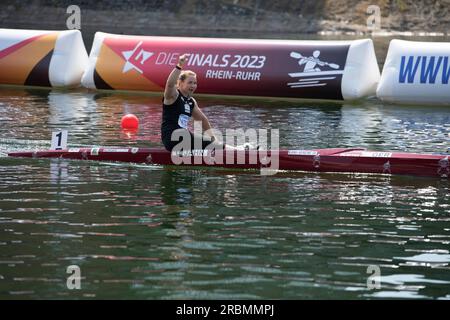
point(179, 106)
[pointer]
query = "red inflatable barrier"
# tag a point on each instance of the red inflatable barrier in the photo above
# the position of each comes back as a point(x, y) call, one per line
point(302, 69)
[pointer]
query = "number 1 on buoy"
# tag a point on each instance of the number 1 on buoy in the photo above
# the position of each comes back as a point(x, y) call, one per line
point(59, 140)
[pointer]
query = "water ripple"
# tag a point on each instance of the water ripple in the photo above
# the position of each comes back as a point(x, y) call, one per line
point(151, 232)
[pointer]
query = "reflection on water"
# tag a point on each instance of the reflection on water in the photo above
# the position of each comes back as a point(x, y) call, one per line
point(140, 231)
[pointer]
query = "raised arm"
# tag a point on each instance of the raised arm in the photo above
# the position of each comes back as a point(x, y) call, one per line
point(170, 91)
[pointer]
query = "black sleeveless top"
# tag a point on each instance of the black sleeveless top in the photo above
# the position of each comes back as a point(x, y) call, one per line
point(176, 115)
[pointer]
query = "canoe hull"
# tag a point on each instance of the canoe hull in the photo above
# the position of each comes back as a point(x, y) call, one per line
point(320, 160)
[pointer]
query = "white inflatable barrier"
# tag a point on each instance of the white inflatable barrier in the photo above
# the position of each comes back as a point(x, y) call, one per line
point(337, 70)
point(416, 72)
point(42, 58)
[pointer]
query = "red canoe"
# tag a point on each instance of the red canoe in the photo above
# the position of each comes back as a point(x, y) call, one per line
point(320, 160)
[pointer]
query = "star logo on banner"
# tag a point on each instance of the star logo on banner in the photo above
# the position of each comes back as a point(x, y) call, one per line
point(134, 58)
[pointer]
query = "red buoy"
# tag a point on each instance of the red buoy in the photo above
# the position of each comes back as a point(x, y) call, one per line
point(129, 121)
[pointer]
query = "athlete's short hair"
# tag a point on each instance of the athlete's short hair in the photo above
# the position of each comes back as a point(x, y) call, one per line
point(186, 73)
